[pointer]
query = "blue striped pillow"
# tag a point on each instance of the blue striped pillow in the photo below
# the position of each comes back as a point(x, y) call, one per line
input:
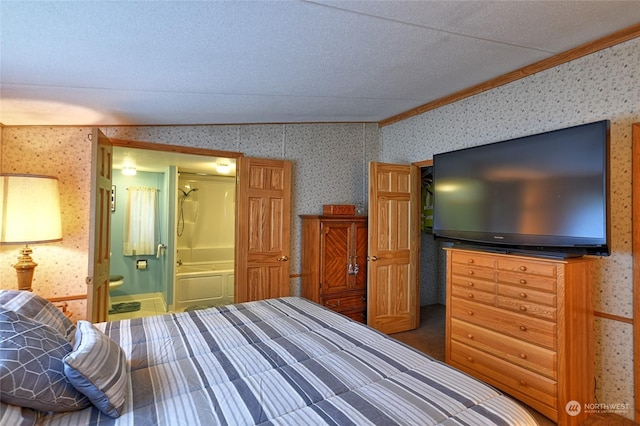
point(97, 367)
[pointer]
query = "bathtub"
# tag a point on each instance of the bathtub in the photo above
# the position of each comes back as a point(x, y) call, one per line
point(203, 284)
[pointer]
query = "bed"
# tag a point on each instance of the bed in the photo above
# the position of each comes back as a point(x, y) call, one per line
point(279, 361)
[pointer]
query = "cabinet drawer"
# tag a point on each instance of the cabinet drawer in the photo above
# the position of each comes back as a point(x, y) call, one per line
point(527, 355)
point(527, 295)
point(473, 295)
point(473, 283)
point(528, 280)
point(504, 373)
point(473, 272)
point(523, 327)
point(527, 308)
point(528, 267)
point(476, 259)
point(345, 303)
point(359, 316)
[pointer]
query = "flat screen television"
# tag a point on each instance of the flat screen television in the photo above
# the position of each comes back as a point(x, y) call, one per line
point(544, 194)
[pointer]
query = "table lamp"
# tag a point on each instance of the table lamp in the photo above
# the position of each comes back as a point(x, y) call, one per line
point(29, 214)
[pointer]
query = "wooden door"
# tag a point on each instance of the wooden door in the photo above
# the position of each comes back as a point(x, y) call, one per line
point(335, 254)
point(263, 229)
point(394, 244)
point(100, 223)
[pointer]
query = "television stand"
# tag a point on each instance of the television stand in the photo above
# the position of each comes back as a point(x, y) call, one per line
point(525, 325)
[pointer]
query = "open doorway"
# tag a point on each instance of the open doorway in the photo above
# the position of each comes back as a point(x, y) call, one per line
point(145, 283)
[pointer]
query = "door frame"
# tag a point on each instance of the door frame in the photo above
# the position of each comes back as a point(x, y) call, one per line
point(152, 146)
point(635, 225)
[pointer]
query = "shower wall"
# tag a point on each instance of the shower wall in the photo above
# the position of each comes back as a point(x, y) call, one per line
point(206, 218)
point(137, 281)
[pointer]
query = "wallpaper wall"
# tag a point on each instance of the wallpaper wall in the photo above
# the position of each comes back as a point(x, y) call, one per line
point(600, 86)
point(330, 163)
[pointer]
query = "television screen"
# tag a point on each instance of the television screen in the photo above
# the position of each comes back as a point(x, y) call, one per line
point(545, 193)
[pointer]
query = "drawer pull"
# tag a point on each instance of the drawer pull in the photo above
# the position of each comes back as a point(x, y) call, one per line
point(470, 295)
point(470, 260)
point(333, 305)
point(523, 382)
point(523, 308)
point(523, 295)
point(523, 328)
point(470, 312)
point(523, 281)
point(470, 272)
point(470, 283)
point(523, 268)
point(523, 356)
point(470, 336)
point(470, 359)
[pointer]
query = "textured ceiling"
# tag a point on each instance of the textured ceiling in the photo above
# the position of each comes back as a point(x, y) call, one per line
point(220, 62)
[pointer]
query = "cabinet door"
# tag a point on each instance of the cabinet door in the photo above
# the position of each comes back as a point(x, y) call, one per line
point(334, 256)
point(360, 242)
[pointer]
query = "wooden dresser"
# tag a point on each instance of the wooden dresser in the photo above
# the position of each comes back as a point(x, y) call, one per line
point(525, 325)
point(334, 263)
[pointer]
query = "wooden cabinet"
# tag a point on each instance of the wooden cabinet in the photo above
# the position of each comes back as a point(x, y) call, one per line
point(524, 325)
point(334, 263)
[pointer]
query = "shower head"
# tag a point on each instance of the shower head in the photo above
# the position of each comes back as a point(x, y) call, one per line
point(186, 194)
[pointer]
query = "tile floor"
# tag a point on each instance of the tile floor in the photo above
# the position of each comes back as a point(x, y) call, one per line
point(149, 305)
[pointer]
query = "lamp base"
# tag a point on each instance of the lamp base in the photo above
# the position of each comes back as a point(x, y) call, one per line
point(25, 268)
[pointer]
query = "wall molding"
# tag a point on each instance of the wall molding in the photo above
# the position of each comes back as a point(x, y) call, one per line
point(618, 37)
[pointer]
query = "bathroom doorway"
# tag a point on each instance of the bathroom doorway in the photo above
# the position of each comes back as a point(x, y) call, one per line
point(145, 283)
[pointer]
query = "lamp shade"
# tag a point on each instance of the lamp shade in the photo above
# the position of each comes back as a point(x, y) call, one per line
point(29, 209)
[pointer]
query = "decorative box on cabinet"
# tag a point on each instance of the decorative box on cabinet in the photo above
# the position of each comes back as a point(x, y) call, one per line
point(334, 263)
point(525, 325)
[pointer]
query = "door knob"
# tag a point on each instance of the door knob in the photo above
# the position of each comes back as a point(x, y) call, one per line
point(372, 258)
point(283, 258)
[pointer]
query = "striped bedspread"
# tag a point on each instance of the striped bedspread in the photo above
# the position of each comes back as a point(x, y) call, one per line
point(286, 361)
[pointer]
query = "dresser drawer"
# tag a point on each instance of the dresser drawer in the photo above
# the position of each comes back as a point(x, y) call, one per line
point(527, 308)
point(527, 280)
point(474, 295)
point(474, 283)
point(523, 327)
point(475, 259)
point(504, 374)
point(345, 303)
point(473, 272)
point(526, 266)
point(527, 295)
point(527, 302)
point(527, 355)
point(360, 316)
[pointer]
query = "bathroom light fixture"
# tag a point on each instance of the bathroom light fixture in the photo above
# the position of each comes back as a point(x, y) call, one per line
point(222, 168)
point(129, 171)
point(23, 199)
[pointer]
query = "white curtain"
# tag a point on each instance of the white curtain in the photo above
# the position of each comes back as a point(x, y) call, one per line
point(140, 221)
